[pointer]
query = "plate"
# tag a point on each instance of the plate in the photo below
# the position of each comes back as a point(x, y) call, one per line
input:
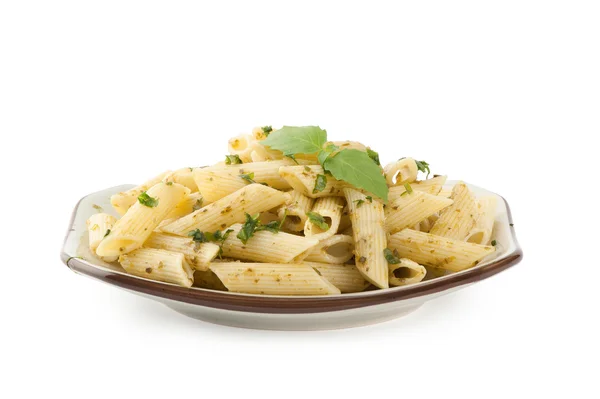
point(284, 312)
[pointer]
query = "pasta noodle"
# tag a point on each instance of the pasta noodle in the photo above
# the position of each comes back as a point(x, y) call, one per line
point(303, 179)
point(251, 199)
point(412, 208)
point(369, 237)
point(402, 171)
point(137, 224)
point(458, 219)
point(197, 255)
point(335, 249)
point(273, 279)
point(185, 177)
point(431, 186)
point(346, 278)
point(99, 225)
point(482, 232)
point(330, 208)
point(439, 252)
point(158, 264)
point(122, 201)
point(241, 146)
point(295, 210)
point(268, 247)
point(406, 272)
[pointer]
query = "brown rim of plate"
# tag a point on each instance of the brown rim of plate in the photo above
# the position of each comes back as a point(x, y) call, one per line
point(292, 305)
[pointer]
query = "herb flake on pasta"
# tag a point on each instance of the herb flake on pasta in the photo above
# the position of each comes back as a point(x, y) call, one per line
point(317, 220)
point(147, 200)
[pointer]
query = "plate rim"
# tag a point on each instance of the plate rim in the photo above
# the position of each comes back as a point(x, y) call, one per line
point(290, 305)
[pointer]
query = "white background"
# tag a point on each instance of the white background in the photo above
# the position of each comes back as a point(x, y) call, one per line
point(504, 95)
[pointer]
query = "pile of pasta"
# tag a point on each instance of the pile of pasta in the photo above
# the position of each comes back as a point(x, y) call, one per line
point(183, 227)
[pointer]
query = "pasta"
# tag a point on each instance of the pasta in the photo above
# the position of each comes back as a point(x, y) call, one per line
point(197, 255)
point(268, 247)
point(335, 249)
point(141, 219)
point(439, 252)
point(158, 264)
point(330, 209)
point(369, 237)
point(251, 199)
point(323, 219)
point(412, 208)
point(273, 279)
point(482, 232)
point(460, 218)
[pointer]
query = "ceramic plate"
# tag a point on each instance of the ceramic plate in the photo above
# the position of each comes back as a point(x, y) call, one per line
point(281, 312)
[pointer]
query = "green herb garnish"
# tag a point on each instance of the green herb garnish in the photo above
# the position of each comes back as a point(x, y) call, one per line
point(198, 236)
point(248, 177)
point(359, 202)
point(320, 183)
point(169, 183)
point(107, 232)
point(423, 167)
point(494, 243)
point(147, 200)
point(248, 228)
point(233, 160)
point(317, 220)
point(292, 140)
point(369, 198)
point(266, 130)
point(374, 156)
point(391, 257)
point(198, 204)
point(408, 188)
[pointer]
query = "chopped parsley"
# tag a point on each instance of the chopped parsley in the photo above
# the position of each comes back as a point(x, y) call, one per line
point(408, 188)
point(494, 243)
point(392, 258)
point(107, 232)
point(320, 183)
point(249, 177)
point(147, 200)
point(423, 167)
point(169, 183)
point(317, 220)
point(198, 236)
point(369, 198)
point(248, 228)
point(373, 155)
point(198, 204)
point(307, 169)
point(267, 130)
point(233, 160)
point(359, 202)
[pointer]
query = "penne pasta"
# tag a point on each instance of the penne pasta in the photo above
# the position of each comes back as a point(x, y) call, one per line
point(369, 237)
point(99, 226)
point(295, 210)
point(273, 279)
point(431, 186)
point(209, 280)
point(121, 202)
point(159, 265)
point(130, 232)
point(406, 272)
point(251, 199)
point(185, 177)
point(412, 208)
point(345, 277)
point(216, 182)
point(265, 246)
point(457, 220)
point(197, 255)
point(189, 204)
point(336, 249)
point(439, 252)
point(241, 146)
point(302, 178)
point(402, 171)
point(482, 232)
point(330, 209)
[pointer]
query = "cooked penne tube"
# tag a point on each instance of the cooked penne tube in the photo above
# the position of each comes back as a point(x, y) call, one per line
point(457, 220)
point(122, 201)
point(369, 237)
point(336, 249)
point(273, 279)
point(440, 252)
point(189, 204)
point(259, 133)
point(142, 218)
point(345, 221)
point(482, 232)
point(295, 210)
point(412, 208)
point(402, 171)
point(208, 279)
point(197, 255)
point(445, 193)
point(159, 265)
point(99, 226)
point(431, 186)
point(265, 246)
point(216, 182)
point(183, 176)
point(345, 277)
point(303, 179)
point(231, 209)
point(241, 146)
point(330, 209)
point(406, 272)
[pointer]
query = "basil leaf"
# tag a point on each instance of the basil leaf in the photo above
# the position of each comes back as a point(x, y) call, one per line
point(233, 160)
point(147, 200)
point(292, 140)
point(317, 220)
point(248, 228)
point(320, 184)
point(355, 167)
point(391, 257)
